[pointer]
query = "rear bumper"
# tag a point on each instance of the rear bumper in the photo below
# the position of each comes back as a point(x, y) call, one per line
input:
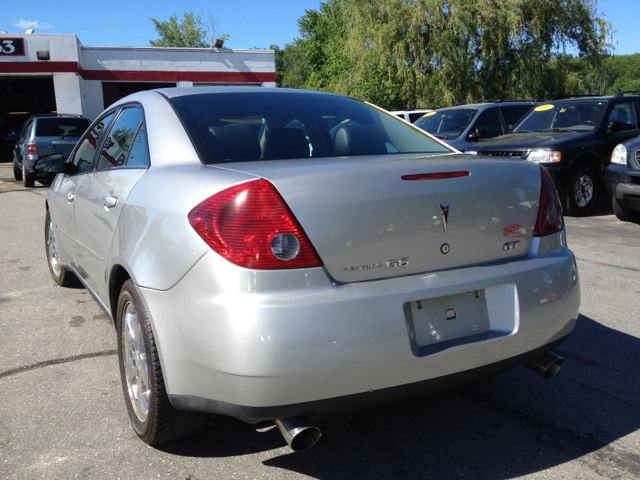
point(261, 345)
point(620, 184)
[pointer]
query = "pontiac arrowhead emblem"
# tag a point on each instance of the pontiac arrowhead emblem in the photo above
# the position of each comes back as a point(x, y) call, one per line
point(444, 212)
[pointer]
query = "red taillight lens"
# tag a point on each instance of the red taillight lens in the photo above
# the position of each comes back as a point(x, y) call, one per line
point(249, 224)
point(549, 212)
point(31, 149)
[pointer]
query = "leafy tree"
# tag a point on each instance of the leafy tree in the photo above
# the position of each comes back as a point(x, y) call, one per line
point(431, 53)
point(292, 68)
point(191, 32)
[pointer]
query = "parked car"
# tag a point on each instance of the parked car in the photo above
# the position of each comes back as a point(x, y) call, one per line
point(573, 137)
point(465, 123)
point(258, 267)
point(42, 135)
point(622, 179)
point(412, 114)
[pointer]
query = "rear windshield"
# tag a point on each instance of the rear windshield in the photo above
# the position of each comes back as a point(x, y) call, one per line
point(249, 126)
point(57, 127)
point(447, 123)
point(578, 116)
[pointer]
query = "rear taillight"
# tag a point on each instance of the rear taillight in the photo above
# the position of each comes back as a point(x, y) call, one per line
point(250, 225)
point(31, 149)
point(549, 212)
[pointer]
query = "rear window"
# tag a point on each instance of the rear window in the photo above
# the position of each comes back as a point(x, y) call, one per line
point(250, 126)
point(56, 127)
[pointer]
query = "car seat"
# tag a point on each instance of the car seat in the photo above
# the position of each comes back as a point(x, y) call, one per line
point(358, 140)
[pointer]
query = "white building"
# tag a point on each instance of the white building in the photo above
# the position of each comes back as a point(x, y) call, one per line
point(45, 73)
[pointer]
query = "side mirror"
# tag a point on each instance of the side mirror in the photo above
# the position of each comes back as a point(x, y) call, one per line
point(614, 127)
point(53, 163)
point(478, 133)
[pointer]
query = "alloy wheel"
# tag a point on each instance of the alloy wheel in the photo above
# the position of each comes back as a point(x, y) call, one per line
point(134, 356)
point(52, 251)
point(583, 190)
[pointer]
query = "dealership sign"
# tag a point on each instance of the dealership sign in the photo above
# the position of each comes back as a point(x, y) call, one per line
point(11, 47)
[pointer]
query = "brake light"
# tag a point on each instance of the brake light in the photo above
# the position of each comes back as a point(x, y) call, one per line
point(549, 211)
point(250, 225)
point(31, 149)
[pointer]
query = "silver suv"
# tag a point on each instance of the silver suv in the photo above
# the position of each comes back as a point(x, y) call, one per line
point(43, 135)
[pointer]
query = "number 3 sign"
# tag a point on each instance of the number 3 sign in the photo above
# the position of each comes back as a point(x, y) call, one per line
point(11, 47)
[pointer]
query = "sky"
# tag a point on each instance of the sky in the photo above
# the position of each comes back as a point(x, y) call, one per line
point(250, 23)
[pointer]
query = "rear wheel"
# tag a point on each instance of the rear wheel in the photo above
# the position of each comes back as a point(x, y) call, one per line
point(151, 414)
point(28, 180)
point(58, 273)
point(579, 193)
point(623, 213)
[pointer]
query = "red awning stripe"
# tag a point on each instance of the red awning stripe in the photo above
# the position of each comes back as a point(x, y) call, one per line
point(136, 75)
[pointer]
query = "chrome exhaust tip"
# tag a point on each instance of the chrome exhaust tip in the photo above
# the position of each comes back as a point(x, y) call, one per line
point(298, 434)
point(546, 365)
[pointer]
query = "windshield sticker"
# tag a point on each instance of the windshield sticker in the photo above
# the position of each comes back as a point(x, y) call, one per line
point(562, 110)
point(429, 114)
point(542, 108)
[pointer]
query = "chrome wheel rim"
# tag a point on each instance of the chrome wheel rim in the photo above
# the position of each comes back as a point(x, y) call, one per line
point(52, 251)
point(134, 357)
point(583, 191)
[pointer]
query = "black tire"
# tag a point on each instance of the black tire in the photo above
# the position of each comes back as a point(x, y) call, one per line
point(623, 213)
point(17, 172)
point(580, 191)
point(161, 422)
point(58, 273)
point(28, 179)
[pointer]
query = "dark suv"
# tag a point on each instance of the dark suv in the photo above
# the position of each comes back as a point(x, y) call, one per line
point(44, 135)
point(573, 137)
point(465, 123)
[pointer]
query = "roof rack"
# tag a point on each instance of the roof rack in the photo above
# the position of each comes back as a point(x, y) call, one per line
point(562, 97)
point(520, 100)
point(621, 94)
point(57, 115)
point(488, 100)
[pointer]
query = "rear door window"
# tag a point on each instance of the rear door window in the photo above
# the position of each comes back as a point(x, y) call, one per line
point(118, 142)
point(624, 113)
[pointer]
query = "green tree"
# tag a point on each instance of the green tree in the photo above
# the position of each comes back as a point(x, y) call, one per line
point(432, 53)
point(191, 32)
point(292, 68)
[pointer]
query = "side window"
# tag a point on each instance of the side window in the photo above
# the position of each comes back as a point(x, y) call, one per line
point(139, 152)
point(414, 116)
point(116, 145)
point(82, 160)
point(624, 113)
point(491, 120)
point(513, 113)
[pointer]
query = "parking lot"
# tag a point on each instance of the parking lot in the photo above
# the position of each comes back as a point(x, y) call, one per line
point(62, 413)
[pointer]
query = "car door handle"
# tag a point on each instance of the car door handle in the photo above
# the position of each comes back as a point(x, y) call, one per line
point(70, 197)
point(109, 202)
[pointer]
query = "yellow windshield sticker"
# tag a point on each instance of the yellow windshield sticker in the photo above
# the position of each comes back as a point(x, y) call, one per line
point(562, 110)
point(429, 114)
point(344, 121)
point(542, 108)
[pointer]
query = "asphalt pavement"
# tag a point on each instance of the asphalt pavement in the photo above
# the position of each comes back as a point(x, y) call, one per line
point(62, 412)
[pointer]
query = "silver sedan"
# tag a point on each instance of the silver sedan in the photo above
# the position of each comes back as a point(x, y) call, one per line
point(283, 255)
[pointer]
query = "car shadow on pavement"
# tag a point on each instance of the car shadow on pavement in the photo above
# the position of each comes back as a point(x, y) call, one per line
point(511, 425)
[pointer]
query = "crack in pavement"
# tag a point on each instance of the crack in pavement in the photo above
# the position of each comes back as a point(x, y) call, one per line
point(608, 264)
point(57, 361)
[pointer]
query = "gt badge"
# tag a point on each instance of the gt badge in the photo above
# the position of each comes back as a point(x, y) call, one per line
point(510, 245)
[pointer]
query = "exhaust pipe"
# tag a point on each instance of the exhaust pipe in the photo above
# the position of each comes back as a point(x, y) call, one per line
point(546, 365)
point(298, 434)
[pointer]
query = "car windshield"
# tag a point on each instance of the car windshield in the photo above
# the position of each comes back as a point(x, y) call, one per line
point(448, 123)
point(57, 127)
point(249, 126)
point(571, 116)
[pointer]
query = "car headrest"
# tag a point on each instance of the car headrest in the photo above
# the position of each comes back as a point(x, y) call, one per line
point(288, 143)
point(236, 143)
point(358, 140)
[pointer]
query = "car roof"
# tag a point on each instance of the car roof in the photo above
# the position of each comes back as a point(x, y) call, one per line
point(183, 91)
point(486, 105)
